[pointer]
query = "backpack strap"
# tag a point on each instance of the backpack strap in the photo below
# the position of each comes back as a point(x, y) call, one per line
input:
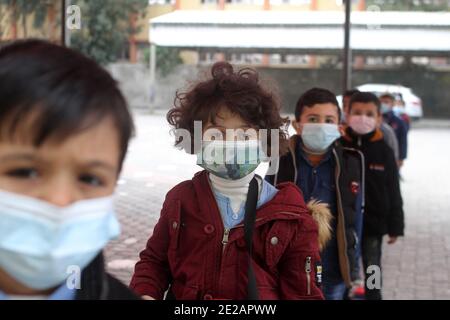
point(249, 225)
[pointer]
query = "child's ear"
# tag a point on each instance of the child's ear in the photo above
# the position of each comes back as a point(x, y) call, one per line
point(341, 129)
point(379, 120)
point(297, 126)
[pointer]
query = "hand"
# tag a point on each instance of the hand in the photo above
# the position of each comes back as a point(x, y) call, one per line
point(400, 163)
point(392, 240)
point(147, 298)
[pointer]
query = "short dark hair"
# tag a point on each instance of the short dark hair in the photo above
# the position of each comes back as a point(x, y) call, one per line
point(387, 95)
point(314, 96)
point(364, 97)
point(63, 90)
point(240, 91)
point(350, 92)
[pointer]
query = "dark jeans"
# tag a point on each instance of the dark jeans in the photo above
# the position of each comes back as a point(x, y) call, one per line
point(371, 254)
point(333, 291)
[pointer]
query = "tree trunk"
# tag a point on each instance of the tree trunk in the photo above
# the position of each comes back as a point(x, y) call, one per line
point(24, 24)
point(14, 20)
point(51, 13)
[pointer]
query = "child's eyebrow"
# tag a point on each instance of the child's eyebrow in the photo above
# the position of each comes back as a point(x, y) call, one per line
point(102, 165)
point(18, 156)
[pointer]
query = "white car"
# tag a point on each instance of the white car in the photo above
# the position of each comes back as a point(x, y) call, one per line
point(413, 104)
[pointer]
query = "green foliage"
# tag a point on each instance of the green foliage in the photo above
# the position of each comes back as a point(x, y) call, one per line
point(24, 9)
point(105, 27)
point(166, 59)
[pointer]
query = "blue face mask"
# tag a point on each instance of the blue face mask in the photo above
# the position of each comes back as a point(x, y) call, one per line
point(317, 137)
point(230, 160)
point(40, 243)
point(398, 111)
point(385, 108)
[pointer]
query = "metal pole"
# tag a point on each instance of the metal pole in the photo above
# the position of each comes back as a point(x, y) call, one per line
point(63, 22)
point(65, 32)
point(347, 65)
point(152, 74)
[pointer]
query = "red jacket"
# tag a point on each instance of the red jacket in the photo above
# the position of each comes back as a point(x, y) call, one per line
point(187, 252)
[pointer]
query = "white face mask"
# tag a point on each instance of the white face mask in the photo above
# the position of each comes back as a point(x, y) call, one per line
point(318, 137)
point(362, 124)
point(40, 242)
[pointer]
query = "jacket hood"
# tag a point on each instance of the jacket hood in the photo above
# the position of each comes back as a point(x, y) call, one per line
point(322, 215)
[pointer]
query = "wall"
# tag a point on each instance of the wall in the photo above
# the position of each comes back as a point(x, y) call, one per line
point(430, 86)
point(134, 81)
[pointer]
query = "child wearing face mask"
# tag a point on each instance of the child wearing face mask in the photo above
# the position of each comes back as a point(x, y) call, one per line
point(384, 207)
point(398, 125)
point(328, 173)
point(201, 247)
point(65, 131)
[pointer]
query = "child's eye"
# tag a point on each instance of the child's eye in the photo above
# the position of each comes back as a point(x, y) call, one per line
point(330, 121)
point(313, 120)
point(23, 173)
point(91, 180)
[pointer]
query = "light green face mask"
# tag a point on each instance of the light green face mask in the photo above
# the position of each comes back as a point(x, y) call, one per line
point(230, 160)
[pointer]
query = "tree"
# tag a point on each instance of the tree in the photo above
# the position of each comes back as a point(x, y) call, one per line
point(21, 10)
point(167, 59)
point(105, 27)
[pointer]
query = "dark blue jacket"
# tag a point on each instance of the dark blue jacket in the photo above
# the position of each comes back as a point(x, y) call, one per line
point(337, 181)
point(401, 132)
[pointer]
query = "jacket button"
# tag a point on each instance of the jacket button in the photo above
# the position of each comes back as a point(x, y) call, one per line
point(274, 241)
point(175, 225)
point(209, 228)
point(207, 297)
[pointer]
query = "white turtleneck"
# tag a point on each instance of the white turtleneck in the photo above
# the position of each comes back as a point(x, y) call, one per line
point(235, 190)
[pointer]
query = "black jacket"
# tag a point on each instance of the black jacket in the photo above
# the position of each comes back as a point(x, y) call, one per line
point(384, 205)
point(97, 284)
point(348, 175)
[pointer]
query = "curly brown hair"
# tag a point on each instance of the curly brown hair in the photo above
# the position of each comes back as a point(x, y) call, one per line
point(241, 92)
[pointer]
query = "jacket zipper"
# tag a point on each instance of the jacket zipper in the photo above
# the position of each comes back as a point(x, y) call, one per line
point(308, 275)
point(226, 235)
point(341, 223)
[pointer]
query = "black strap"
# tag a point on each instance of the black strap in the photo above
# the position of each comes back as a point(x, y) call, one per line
point(249, 224)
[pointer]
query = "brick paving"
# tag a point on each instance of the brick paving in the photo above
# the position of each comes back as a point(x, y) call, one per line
point(416, 267)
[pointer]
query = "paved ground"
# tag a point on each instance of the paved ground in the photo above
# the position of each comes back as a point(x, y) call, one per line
point(417, 267)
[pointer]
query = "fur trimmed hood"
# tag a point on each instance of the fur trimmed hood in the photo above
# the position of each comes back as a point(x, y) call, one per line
point(322, 215)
